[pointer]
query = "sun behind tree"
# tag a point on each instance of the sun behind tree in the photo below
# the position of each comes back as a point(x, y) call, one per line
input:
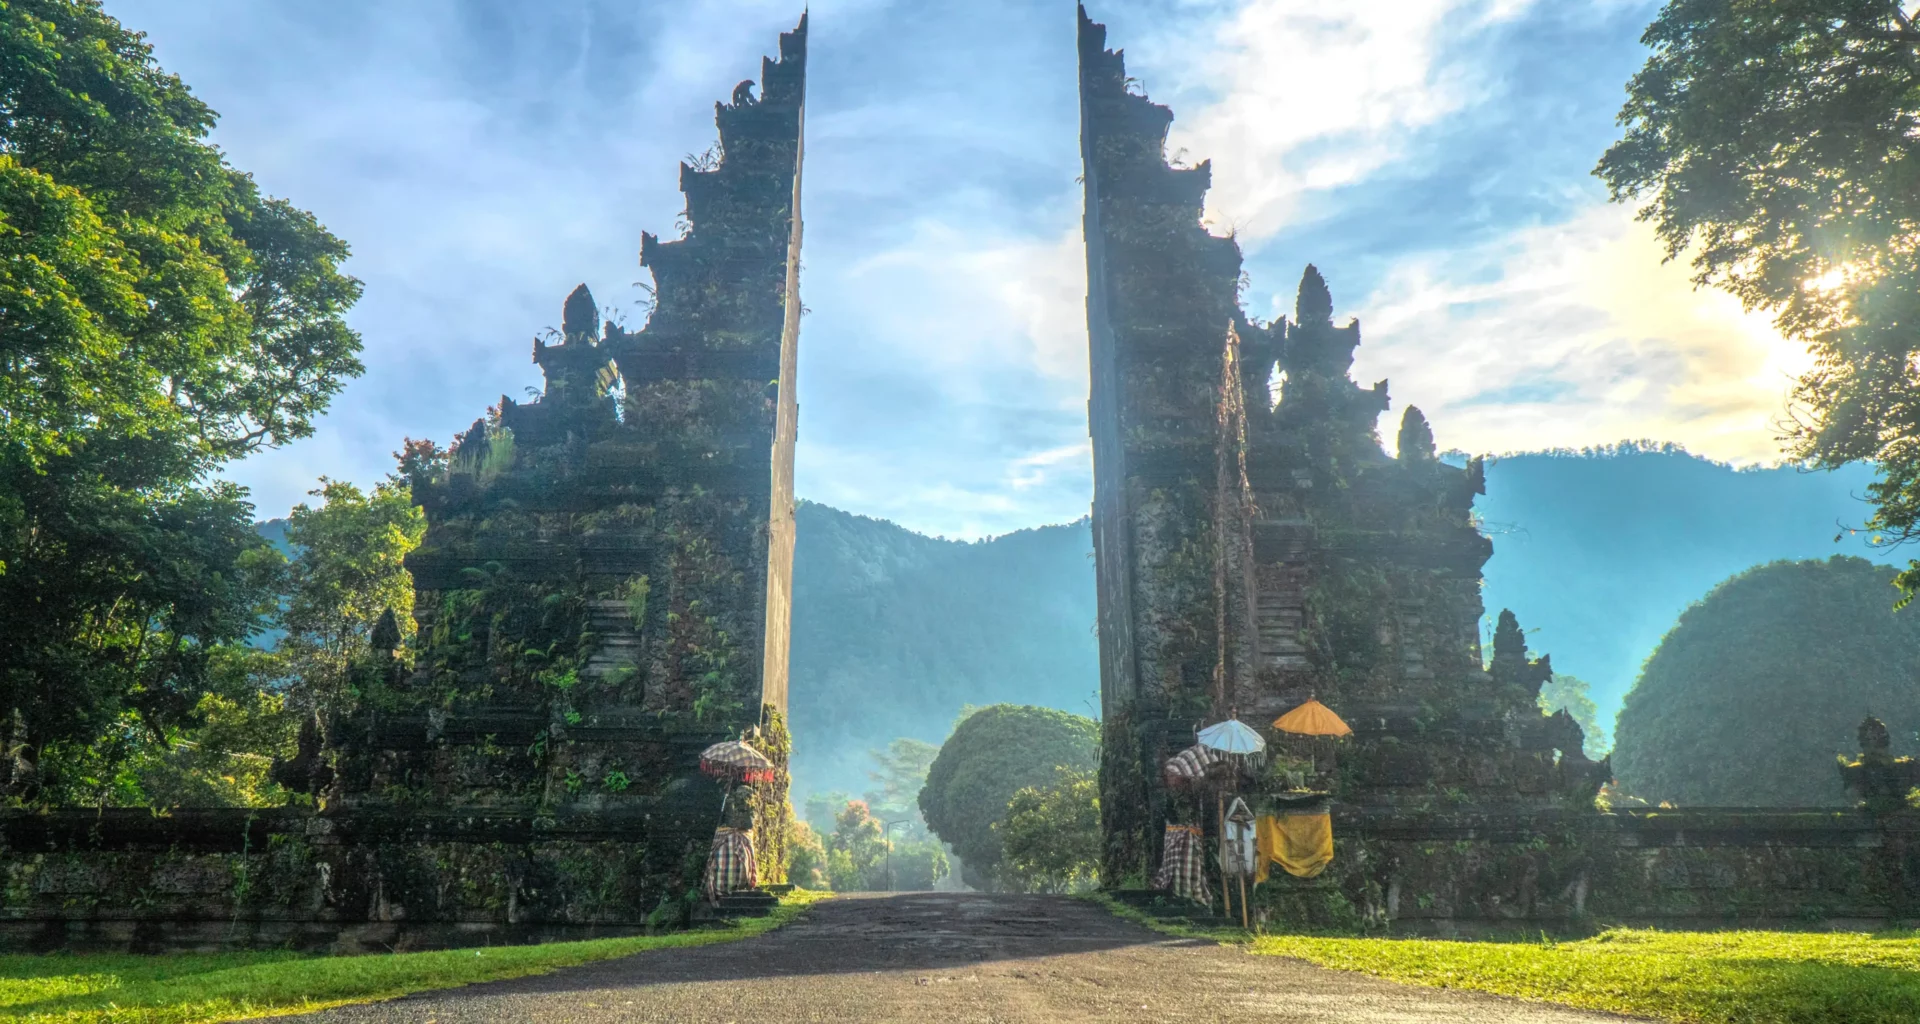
point(1778, 145)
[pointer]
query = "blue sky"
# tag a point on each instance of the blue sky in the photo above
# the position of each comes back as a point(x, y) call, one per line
point(1432, 156)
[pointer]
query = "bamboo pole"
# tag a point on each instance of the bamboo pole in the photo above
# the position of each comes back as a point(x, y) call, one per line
point(1226, 889)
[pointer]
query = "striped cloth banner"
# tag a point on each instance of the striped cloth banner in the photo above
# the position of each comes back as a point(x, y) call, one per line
point(730, 865)
point(1183, 864)
point(1190, 765)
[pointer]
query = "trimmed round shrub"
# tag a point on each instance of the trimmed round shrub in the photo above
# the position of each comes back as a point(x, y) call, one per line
point(1761, 684)
point(994, 753)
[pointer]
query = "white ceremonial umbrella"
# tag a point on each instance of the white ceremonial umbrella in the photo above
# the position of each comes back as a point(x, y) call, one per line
point(1232, 737)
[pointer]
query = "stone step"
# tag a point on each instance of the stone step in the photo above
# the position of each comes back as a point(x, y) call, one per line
point(747, 903)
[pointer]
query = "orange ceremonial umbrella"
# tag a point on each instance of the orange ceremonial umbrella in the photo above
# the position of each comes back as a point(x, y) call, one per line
point(1312, 719)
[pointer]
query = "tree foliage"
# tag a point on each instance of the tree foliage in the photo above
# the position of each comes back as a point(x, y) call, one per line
point(900, 771)
point(1573, 695)
point(348, 572)
point(158, 316)
point(1051, 835)
point(807, 858)
point(147, 287)
point(218, 757)
point(856, 850)
point(1761, 684)
point(118, 603)
point(862, 854)
point(1778, 142)
point(918, 865)
point(994, 753)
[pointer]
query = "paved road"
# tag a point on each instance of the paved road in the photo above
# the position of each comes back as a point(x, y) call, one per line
point(946, 958)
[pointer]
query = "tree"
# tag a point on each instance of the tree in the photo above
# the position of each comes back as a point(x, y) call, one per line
point(158, 317)
point(1573, 695)
point(149, 287)
point(822, 808)
point(994, 753)
point(917, 865)
point(1051, 834)
point(807, 858)
point(902, 770)
point(859, 854)
point(856, 850)
point(219, 759)
point(1779, 141)
point(349, 572)
point(223, 762)
point(1763, 682)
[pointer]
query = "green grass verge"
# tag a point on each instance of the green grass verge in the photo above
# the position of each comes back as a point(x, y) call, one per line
point(1748, 977)
point(110, 988)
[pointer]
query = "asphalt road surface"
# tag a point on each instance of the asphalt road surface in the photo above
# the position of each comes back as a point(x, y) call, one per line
point(946, 958)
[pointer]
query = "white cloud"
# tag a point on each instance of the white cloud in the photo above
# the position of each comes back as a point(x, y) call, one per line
point(1030, 471)
point(1310, 96)
point(973, 424)
point(963, 298)
point(1576, 334)
point(1041, 289)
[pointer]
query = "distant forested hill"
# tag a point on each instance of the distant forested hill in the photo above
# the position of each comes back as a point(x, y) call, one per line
point(894, 632)
point(1600, 552)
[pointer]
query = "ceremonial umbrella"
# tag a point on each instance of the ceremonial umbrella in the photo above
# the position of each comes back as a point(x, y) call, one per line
point(1235, 739)
point(736, 761)
point(1312, 719)
point(1232, 737)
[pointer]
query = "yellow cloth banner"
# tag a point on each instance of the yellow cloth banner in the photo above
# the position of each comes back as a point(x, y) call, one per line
point(1302, 844)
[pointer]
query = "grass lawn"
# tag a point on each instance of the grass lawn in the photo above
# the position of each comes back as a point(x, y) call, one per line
point(1747, 977)
point(111, 988)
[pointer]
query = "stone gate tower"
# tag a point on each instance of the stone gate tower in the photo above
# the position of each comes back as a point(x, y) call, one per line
point(1254, 544)
point(604, 585)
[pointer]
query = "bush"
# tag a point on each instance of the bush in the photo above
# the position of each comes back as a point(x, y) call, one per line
point(1051, 835)
point(1762, 683)
point(994, 753)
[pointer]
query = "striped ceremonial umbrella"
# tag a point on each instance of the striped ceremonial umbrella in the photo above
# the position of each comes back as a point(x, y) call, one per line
point(1189, 767)
point(734, 759)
